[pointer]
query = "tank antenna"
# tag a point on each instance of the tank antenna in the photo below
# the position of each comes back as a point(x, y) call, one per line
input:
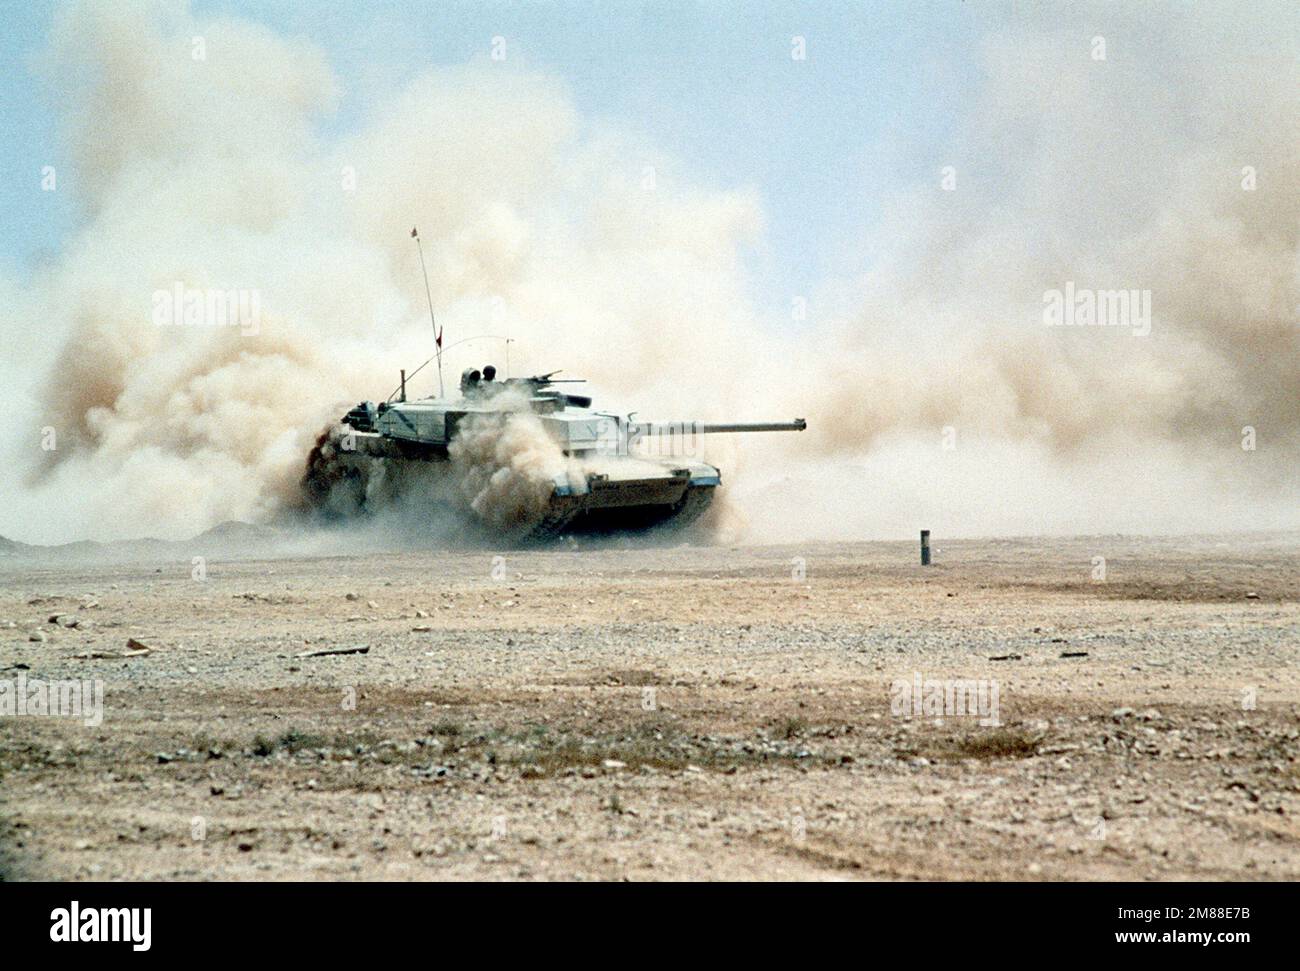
point(437, 334)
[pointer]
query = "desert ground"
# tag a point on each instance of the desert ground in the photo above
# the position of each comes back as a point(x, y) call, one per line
point(688, 712)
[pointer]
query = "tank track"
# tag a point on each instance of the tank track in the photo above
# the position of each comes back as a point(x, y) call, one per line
point(552, 526)
point(672, 519)
point(689, 508)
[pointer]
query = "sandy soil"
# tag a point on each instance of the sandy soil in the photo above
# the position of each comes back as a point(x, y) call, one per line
point(673, 713)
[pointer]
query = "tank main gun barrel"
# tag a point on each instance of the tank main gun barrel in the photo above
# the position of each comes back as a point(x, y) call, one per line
point(706, 428)
point(797, 425)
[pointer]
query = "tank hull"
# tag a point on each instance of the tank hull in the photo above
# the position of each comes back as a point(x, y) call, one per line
point(352, 472)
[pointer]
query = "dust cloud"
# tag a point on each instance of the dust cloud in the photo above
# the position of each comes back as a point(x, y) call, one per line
point(932, 387)
point(506, 466)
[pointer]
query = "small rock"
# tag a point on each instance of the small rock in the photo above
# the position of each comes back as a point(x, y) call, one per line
point(1119, 714)
point(37, 636)
point(614, 764)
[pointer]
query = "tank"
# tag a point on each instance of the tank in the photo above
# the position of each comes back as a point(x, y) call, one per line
point(523, 458)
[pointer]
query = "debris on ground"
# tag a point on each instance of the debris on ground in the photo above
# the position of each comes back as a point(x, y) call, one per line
point(333, 652)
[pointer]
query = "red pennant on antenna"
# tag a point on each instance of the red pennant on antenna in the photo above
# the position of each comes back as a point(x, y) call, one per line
point(438, 340)
point(414, 233)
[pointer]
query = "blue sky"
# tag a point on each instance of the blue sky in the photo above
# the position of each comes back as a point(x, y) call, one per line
point(711, 84)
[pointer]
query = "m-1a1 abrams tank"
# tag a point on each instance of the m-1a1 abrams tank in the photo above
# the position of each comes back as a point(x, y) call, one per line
point(522, 457)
